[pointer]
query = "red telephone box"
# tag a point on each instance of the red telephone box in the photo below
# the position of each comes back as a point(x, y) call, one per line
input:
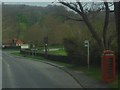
point(108, 66)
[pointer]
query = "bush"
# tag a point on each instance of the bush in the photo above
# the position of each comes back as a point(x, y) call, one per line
point(78, 52)
point(95, 55)
point(75, 50)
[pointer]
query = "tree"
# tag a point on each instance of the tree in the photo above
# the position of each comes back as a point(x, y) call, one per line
point(117, 18)
point(83, 11)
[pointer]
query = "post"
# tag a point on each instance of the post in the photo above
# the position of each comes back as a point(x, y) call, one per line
point(86, 42)
point(88, 60)
point(33, 49)
point(46, 50)
point(46, 45)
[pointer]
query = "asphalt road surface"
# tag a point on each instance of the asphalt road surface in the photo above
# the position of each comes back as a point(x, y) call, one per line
point(0, 69)
point(24, 73)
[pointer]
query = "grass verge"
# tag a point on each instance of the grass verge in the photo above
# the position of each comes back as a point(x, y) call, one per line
point(58, 52)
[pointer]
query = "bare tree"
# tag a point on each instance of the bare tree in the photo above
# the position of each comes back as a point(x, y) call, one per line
point(83, 10)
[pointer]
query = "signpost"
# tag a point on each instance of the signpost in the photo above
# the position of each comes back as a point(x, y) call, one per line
point(86, 42)
point(46, 45)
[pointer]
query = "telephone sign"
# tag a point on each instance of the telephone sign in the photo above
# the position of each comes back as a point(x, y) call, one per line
point(108, 66)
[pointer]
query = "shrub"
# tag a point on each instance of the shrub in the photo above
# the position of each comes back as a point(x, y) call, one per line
point(75, 50)
point(78, 52)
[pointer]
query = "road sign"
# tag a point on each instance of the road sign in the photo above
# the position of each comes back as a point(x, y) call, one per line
point(86, 43)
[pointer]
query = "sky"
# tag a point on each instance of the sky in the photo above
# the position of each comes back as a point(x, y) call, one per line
point(55, 0)
point(31, 3)
point(27, 0)
point(46, 2)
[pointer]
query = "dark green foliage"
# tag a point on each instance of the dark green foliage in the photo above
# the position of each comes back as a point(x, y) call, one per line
point(21, 18)
point(78, 52)
point(95, 55)
point(75, 50)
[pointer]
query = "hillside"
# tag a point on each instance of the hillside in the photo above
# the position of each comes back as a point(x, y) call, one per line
point(33, 23)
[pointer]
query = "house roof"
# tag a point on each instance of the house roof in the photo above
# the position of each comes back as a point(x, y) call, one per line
point(10, 41)
point(19, 42)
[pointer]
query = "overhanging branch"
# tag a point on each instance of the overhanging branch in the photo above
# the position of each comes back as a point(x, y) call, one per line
point(71, 18)
point(111, 38)
point(71, 7)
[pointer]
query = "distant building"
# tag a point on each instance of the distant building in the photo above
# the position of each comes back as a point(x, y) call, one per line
point(12, 42)
point(17, 42)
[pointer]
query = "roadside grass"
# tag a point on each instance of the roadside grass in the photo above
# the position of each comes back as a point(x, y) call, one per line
point(61, 47)
point(11, 49)
point(93, 71)
point(38, 58)
point(58, 52)
point(17, 53)
point(96, 73)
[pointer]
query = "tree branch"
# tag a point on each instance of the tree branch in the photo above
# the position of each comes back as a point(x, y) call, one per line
point(106, 21)
point(80, 5)
point(111, 38)
point(71, 7)
point(80, 11)
point(71, 18)
point(74, 19)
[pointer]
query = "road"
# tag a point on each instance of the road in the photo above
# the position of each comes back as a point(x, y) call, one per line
point(0, 68)
point(19, 72)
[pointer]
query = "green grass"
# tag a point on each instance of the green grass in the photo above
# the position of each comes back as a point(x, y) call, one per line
point(40, 49)
point(61, 50)
point(96, 73)
point(17, 53)
point(114, 84)
point(93, 71)
point(58, 52)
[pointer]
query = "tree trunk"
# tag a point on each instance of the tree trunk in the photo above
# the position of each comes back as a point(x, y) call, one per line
point(105, 28)
point(117, 18)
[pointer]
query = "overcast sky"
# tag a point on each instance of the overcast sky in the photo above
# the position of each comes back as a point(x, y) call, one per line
point(31, 3)
point(55, 0)
point(27, 0)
